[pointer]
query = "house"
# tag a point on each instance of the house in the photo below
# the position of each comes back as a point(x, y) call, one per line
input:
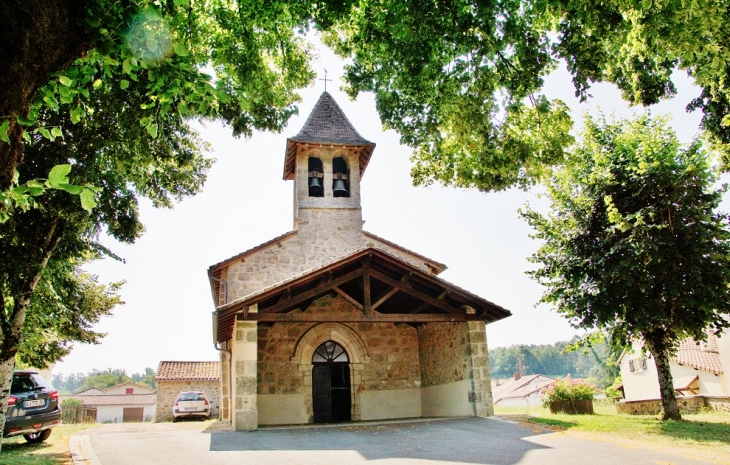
point(175, 377)
point(521, 391)
point(332, 323)
point(126, 402)
point(697, 369)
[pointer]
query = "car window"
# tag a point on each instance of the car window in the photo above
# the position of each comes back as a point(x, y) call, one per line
point(191, 396)
point(24, 382)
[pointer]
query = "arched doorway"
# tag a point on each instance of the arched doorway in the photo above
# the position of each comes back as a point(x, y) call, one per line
point(331, 393)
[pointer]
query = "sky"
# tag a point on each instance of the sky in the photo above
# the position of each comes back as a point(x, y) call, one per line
point(168, 306)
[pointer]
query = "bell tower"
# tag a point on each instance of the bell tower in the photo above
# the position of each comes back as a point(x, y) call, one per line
point(326, 160)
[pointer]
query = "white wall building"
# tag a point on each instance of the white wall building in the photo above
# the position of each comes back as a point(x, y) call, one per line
point(697, 369)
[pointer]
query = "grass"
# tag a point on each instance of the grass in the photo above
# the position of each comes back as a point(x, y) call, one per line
point(53, 451)
point(708, 432)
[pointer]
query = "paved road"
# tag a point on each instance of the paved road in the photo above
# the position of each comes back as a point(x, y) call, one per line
point(454, 441)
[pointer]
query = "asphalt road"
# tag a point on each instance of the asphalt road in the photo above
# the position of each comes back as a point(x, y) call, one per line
point(454, 441)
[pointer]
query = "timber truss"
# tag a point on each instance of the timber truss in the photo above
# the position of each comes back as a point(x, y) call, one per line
point(383, 288)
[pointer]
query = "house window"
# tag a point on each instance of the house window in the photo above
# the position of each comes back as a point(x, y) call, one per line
point(340, 178)
point(637, 364)
point(316, 177)
point(129, 391)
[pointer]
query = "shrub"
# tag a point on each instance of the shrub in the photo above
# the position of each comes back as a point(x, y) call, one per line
point(568, 389)
point(70, 410)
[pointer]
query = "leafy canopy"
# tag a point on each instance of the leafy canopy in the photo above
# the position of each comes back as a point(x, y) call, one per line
point(461, 81)
point(633, 242)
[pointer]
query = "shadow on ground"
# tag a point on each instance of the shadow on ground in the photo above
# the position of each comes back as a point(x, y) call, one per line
point(467, 440)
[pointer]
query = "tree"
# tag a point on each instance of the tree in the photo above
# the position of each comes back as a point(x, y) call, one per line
point(58, 51)
point(102, 379)
point(147, 378)
point(633, 243)
point(63, 309)
point(461, 80)
point(40, 248)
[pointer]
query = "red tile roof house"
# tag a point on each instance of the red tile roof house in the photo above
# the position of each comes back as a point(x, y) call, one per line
point(126, 402)
point(175, 377)
point(521, 391)
point(699, 369)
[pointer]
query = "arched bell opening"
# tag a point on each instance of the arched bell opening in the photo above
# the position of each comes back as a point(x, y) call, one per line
point(331, 384)
point(340, 178)
point(315, 179)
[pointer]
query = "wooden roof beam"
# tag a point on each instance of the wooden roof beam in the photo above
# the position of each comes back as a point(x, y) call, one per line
point(442, 304)
point(320, 289)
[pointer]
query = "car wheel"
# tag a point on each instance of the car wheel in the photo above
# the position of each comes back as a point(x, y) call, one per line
point(35, 438)
point(174, 419)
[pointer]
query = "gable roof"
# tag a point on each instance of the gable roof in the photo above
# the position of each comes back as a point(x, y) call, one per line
point(180, 371)
point(398, 290)
point(436, 266)
point(701, 357)
point(327, 124)
point(114, 399)
point(522, 387)
point(127, 383)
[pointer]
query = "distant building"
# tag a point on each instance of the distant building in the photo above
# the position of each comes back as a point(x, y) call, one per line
point(698, 368)
point(175, 377)
point(126, 402)
point(521, 391)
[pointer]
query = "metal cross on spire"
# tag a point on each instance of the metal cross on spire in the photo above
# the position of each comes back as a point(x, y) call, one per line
point(325, 80)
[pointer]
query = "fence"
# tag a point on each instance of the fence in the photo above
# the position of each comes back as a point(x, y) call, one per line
point(72, 413)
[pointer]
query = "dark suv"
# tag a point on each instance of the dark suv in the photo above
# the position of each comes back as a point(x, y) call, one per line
point(32, 407)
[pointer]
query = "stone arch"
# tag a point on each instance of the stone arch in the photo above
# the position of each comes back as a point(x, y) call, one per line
point(356, 351)
point(341, 334)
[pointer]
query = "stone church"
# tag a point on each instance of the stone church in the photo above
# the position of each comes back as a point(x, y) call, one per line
point(331, 323)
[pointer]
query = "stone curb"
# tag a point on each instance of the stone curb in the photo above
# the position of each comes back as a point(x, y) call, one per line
point(81, 451)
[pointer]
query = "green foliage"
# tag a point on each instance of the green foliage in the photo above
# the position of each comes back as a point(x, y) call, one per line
point(461, 81)
point(69, 410)
point(568, 389)
point(633, 244)
point(102, 379)
point(612, 391)
point(63, 310)
point(593, 363)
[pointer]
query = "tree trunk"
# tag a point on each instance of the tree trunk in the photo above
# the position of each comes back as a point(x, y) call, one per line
point(12, 323)
point(656, 343)
point(37, 38)
point(7, 365)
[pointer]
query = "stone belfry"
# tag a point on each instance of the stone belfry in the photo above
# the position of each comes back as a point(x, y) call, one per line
point(332, 323)
point(326, 160)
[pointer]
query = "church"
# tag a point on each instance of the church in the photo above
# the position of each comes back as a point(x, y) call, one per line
point(331, 323)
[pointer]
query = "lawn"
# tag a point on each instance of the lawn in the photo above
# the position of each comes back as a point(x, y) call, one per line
point(708, 432)
point(54, 451)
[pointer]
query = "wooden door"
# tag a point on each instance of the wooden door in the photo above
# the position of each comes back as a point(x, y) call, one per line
point(321, 393)
point(133, 414)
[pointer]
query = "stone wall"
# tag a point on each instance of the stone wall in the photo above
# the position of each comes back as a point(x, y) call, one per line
point(455, 369)
point(443, 353)
point(383, 356)
point(687, 404)
point(167, 392)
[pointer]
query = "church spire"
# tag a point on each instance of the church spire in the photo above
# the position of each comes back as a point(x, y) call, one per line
point(327, 125)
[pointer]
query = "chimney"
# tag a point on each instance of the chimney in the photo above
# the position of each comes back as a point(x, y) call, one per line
point(517, 376)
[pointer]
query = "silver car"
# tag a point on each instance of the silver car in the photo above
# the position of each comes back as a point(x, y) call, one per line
point(191, 404)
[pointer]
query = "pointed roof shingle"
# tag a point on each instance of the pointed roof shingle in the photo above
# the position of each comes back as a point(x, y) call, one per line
point(327, 124)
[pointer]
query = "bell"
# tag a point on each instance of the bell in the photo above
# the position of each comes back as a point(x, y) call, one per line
point(340, 190)
point(315, 187)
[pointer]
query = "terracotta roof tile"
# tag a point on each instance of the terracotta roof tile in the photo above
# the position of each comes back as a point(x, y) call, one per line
point(699, 355)
point(173, 371)
point(522, 387)
point(114, 399)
